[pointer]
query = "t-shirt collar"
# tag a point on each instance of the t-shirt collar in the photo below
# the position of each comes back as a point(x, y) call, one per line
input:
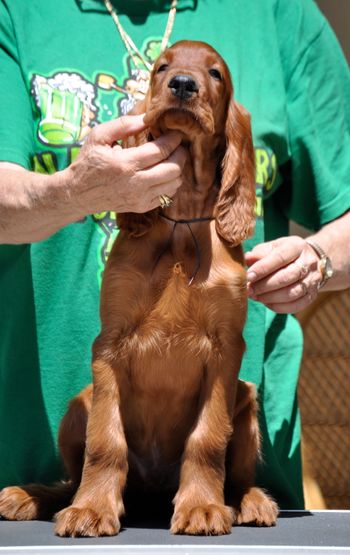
point(134, 7)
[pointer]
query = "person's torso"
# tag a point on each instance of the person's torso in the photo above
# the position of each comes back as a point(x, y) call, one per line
point(79, 74)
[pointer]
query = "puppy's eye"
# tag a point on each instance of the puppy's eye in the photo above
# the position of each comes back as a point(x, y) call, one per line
point(163, 67)
point(216, 74)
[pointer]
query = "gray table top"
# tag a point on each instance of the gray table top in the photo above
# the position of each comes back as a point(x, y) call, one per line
point(295, 532)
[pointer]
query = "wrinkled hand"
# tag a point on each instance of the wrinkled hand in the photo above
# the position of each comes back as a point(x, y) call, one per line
point(283, 274)
point(107, 177)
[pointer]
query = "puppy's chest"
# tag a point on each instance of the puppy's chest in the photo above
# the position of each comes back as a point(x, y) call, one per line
point(152, 468)
point(186, 319)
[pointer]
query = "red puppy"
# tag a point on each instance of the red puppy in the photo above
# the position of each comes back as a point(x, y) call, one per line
point(166, 405)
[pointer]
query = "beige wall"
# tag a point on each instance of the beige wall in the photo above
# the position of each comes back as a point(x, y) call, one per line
point(338, 15)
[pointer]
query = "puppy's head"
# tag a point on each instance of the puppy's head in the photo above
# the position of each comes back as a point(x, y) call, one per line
point(191, 91)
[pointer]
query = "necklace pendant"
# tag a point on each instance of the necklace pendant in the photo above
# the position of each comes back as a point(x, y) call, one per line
point(138, 85)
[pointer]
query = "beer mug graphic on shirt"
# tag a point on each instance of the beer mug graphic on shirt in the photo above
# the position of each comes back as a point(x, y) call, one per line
point(66, 105)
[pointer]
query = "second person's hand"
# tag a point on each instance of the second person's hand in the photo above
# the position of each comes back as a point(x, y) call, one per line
point(283, 274)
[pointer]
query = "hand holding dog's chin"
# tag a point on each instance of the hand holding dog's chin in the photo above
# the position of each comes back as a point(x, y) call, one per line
point(283, 274)
point(107, 177)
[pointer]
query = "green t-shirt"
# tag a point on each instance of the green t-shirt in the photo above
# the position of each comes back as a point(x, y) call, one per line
point(63, 69)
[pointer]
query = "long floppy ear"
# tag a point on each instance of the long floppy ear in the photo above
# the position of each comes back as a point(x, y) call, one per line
point(234, 210)
point(135, 224)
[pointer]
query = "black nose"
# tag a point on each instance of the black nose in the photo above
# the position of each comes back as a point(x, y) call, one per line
point(183, 86)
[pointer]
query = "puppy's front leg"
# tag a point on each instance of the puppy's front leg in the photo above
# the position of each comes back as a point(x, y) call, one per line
point(199, 502)
point(98, 503)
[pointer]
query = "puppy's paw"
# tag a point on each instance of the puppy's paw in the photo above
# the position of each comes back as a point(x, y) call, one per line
point(208, 520)
point(17, 504)
point(257, 508)
point(78, 521)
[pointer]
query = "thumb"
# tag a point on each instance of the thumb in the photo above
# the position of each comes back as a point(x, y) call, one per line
point(258, 252)
point(117, 129)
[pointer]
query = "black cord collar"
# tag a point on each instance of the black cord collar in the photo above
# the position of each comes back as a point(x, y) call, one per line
point(188, 223)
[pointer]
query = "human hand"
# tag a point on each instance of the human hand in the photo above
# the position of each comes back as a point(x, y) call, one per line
point(107, 177)
point(283, 274)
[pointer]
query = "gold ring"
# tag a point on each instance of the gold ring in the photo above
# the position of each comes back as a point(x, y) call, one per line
point(304, 270)
point(303, 288)
point(165, 201)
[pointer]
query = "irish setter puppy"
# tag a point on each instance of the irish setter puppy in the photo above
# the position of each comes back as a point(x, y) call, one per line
point(166, 408)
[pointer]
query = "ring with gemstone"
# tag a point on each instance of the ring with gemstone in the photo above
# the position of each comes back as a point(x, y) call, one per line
point(165, 201)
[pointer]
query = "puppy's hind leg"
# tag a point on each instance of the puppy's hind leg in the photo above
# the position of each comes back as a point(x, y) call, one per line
point(40, 502)
point(72, 435)
point(251, 505)
point(34, 501)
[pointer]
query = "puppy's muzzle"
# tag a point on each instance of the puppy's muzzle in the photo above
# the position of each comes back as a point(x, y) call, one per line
point(183, 86)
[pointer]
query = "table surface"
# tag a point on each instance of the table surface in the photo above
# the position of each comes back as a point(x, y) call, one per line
point(295, 532)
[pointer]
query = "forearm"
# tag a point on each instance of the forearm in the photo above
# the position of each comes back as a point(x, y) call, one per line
point(103, 177)
point(33, 206)
point(334, 239)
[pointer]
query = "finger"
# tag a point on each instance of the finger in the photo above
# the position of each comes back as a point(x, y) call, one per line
point(277, 258)
point(154, 152)
point(167, 170)
point(285, 295)
point(169, 188)
point(284, 277)
point(292, 307)
point(117, 129)
point(262, 249)
point(258, 252)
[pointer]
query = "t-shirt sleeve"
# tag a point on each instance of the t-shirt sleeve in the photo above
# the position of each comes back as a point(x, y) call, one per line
point(318, 104)
point(16, 120)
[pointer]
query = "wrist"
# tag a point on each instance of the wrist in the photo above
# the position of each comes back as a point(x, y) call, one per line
point(325, 266)
point(60, 198)
point(34, 206)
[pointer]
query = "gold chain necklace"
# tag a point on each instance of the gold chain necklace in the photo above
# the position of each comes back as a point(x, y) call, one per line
point(141, 74)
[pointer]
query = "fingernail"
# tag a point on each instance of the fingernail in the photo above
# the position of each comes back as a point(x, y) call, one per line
point(251, 276)
point(250, 289)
